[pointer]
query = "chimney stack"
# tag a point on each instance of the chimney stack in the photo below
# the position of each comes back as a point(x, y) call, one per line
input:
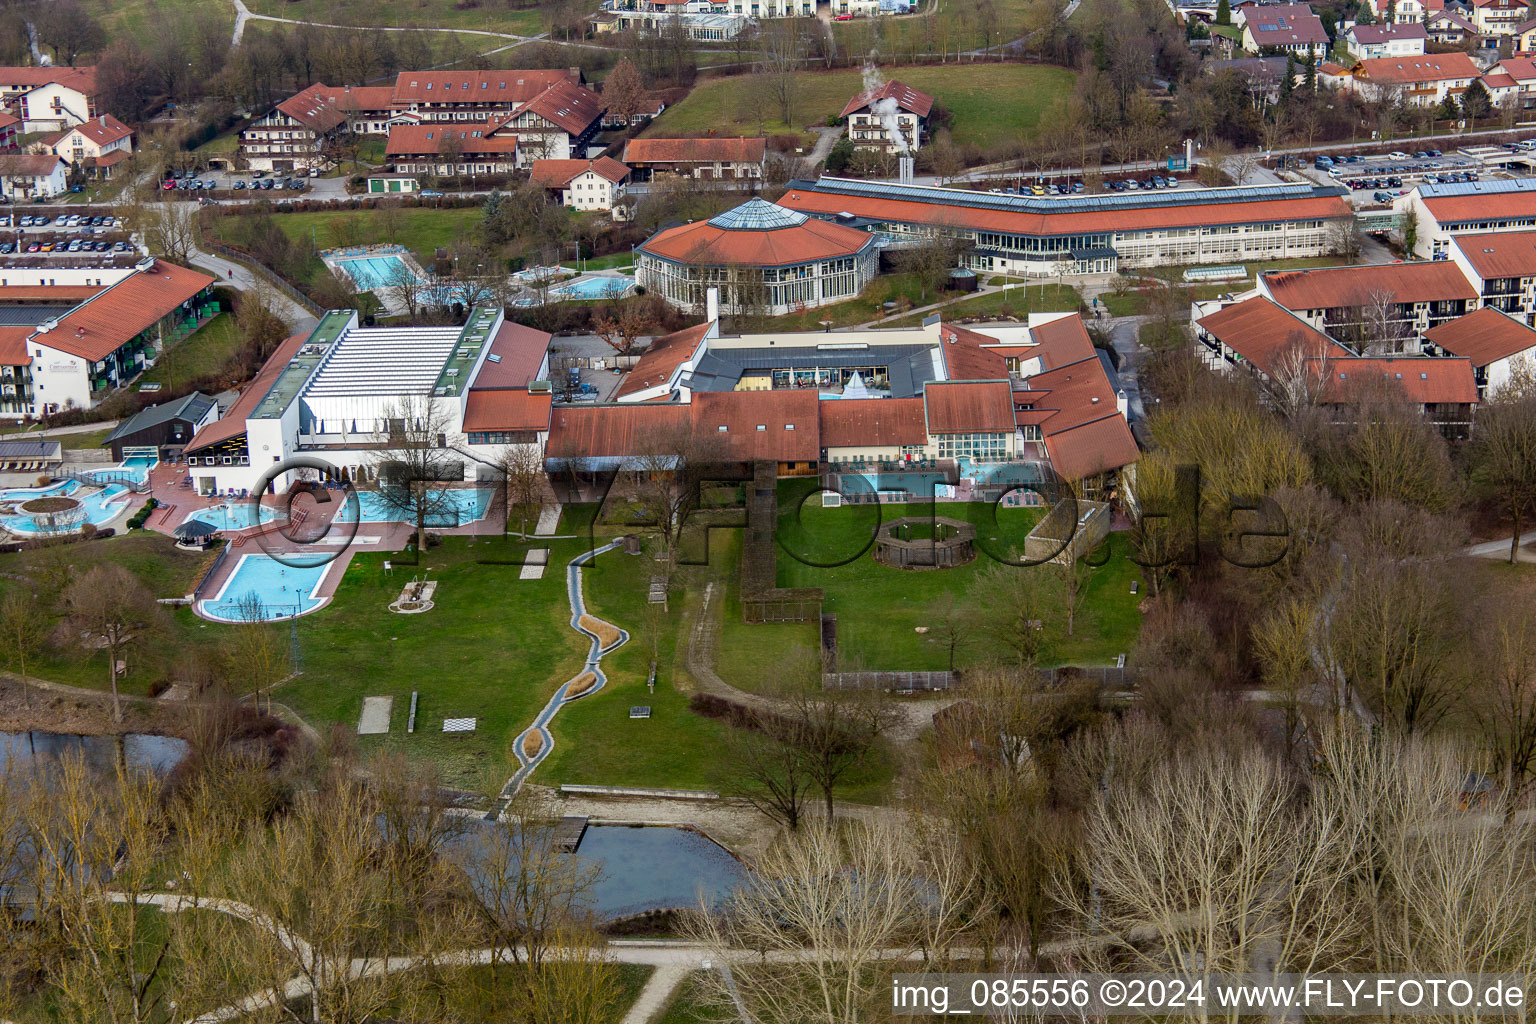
point(712, 305)
point(1123, 404)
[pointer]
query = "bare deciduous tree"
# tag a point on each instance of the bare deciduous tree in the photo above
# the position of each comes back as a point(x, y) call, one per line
point(110, 605)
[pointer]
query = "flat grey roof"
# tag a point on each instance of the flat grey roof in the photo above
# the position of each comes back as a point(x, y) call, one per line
point(909, 366)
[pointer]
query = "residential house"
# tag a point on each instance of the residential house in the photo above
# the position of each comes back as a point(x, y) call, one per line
point(1366, 42)
point(1404, 12)
point(368, 109)
point(1499, 17)
point(294, 134)
point(1418, 81)
point(30, 175)
point(49, 99)
point(1525, 36)
point(583, 184)
point(893, 118)
point(1501, 268)
point(718, 159)
point(451, 150)
point(1522, 70)
point(10, 130)
point(557, 124)
point(92, 147)
point(1449, 27)
point(1291, 28)
point(1497, 345)
point(166, 428)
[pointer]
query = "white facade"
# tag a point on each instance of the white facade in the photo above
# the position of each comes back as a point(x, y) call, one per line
point(1433, 237)
point(591, 191)
point(54, 107)
point(77, 145)
point(30, 182)
point(1393, 45)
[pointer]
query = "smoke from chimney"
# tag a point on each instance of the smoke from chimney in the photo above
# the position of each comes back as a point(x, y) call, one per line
point(885, 109)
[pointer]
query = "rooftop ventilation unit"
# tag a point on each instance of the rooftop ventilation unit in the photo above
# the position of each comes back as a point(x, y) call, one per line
point(539, 387)
point(493, 358)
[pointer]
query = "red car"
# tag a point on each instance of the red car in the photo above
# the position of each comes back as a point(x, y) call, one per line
point(843, 17)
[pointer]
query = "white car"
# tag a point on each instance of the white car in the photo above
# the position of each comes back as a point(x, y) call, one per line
point(1398, 154)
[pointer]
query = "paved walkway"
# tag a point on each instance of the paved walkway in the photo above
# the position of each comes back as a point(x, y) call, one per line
point(53, 432)
point(657, 992)
point(1500, 548)
point(299, 319)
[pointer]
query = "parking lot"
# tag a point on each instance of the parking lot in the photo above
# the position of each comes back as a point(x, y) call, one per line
point(224, 181)
point(1151, 182)
point(23, 233)
point(1381, 178)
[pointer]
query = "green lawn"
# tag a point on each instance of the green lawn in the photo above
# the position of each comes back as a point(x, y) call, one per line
point(75, 442)
point(694, 1003)
point(990, 103)
point(879, 608)
point(431, 14)
point(200, 353)
point(612, 261)
point(1016, 301)
point(421, 229)
point(903, 289)
point(220, 145)
point(147, 20)
point(1135, 301)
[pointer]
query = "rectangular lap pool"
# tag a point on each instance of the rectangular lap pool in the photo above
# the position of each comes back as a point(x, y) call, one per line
point(593, 288)
point(372, 272)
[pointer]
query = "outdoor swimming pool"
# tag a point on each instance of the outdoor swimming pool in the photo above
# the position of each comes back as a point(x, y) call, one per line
point(593, 288)
point(463, 506)
point(133, 469)
point(372, 272)
point(284, 591)
point(101, 506)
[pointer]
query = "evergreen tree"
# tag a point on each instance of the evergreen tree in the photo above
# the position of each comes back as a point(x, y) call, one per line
point(1309, 80)
point(1288, 83)
point(1223, 13)
point(1475, 101)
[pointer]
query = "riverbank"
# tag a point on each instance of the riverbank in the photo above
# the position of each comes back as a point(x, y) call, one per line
point(50, 707)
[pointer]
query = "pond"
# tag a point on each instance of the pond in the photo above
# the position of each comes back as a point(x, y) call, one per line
point(140, 750)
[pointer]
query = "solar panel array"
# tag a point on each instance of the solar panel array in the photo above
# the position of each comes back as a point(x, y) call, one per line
point(1473, 188)
point(383, 361)
point(1004, 202)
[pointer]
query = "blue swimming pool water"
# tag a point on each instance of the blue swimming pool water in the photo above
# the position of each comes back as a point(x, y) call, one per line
point(134, 469)
point(377, 271)
point(593, 288)
point(464, 506)
point(283, 590)
point(101, 506)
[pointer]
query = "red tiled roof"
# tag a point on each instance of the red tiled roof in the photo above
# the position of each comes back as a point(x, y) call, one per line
point(1503, 5)
point(1092, 447)
point(47, 293)
point(104, 129)
point(1453, 19)
point(82, 80)
point(111, 159)
point(1481, 206)
point(558, 173)
point(568, 107)
point(791, 430)
point(907, 211)
point(13, 346)
point(512, 87)
point(361, 98)
point(965, 358)
point(703, 243)
point(232, 423)
point(521, 349)
point(1424, 379)
point(957, 407)
point(1484, 336)
point(427, 140)
point(1499, 81)
point(694, 151)
point(1061, 341)
point(661, 358)
point(1261, 331)
point(1502, 254)
point(7, 120)
point(99, 326)
point(313, 108)
point(506, 409)
point(908, 98)
point(1430, 67)
point(612, 431)
point(1343, 287)
point(869, 422)
point(31, 165)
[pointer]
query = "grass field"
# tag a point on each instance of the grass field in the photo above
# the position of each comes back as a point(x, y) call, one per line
point(1017, 301)
point(990, 103)
point(431, 14)
point(880, 608)
point(421, 229)
point(200, 353)
point(1135, 301)
point(144, 20)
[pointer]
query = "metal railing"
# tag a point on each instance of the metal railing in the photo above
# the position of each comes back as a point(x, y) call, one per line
point(246, 261)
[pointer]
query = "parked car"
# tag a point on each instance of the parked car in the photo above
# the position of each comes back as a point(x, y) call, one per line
point(428, 193)
point(34, 247)
point(1435, 153)
point(120, 247)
